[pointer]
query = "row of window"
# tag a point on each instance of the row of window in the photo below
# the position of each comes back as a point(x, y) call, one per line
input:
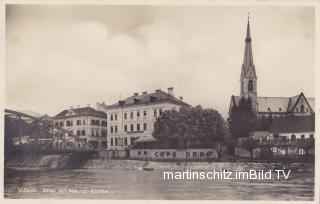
point(302, 109)
point(81, 122)
point(114, 129)
point(144, 113)
point(293, 137)
point(93, 133)
point(121, 141)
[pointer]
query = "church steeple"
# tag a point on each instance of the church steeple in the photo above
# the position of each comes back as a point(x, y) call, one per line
point(248, 57)
point(248, 78)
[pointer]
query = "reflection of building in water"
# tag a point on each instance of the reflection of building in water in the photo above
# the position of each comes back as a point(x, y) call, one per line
point(85, 122)
point(297, 105)
point(134, 117)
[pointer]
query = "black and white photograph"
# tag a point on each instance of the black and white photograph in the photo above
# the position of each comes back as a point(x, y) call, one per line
point(160, 102)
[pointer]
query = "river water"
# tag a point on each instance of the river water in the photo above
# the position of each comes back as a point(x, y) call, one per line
point(140, 184)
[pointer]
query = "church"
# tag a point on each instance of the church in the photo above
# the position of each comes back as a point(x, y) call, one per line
point(277, 107)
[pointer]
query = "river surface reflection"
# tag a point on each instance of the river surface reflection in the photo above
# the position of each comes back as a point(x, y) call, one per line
point(139, 184)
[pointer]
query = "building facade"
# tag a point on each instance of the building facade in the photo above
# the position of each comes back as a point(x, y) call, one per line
point(298, 105)
point(134, 117)
point(87, 123)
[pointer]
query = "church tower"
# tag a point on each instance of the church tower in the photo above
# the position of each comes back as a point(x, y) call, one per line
point(248, 78)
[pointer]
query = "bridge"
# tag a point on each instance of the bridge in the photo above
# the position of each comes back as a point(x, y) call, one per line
point(24, 132)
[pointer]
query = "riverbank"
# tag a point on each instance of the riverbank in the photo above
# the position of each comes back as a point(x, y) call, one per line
point(67, 161)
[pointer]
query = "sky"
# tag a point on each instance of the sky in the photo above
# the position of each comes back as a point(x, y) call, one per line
point(59, 56)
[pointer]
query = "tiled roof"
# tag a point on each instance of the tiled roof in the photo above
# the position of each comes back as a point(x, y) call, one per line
point(293, 124)
point(157, 97)
point(274, 104)
point(47, 118)
point(82, 111)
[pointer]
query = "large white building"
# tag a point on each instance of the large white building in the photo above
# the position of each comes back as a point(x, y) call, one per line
point(87, 123)
point(134, 117)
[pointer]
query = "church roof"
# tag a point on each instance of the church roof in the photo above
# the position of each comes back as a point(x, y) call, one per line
point(273, 104)
point(278, 104)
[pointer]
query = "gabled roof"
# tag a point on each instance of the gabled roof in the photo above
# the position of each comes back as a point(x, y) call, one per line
point(47, 118)
point(81, 111)
point(293, 124)
point(157, 97)
point(277, 104)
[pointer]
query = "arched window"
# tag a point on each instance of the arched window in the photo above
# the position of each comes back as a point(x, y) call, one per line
point(302, 108)
point(242, 87)
point(250, 86)
point(293, 137)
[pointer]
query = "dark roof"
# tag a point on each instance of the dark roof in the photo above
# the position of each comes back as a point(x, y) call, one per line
point(293, 124)
point(275, 104)
point(157, 97)
point(47, 118)
point(81, 111)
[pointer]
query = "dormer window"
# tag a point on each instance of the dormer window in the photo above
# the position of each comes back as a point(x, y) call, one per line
point(152, 98)
point(135, 101)
point(121, 103)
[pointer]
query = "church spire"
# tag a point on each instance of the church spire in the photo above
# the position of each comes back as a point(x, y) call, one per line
point(248, 78)
point(248, 57)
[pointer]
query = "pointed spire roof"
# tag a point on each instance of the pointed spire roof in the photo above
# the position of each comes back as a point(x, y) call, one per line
point(248, 57)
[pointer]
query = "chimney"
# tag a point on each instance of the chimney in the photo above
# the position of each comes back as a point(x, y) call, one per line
point(181, 98)
point(158, 90)
point(144, 93)
point(103, 103)
point(71, 107)
point(170, 91)
point(136, 94)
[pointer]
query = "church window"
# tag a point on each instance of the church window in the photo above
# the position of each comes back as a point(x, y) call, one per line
point(242, 87)
point(302, 108)
point(250, 86)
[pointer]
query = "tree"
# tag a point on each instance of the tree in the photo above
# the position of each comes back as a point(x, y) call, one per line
point(190, 127)
point(242, 119)
point(250, 144)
